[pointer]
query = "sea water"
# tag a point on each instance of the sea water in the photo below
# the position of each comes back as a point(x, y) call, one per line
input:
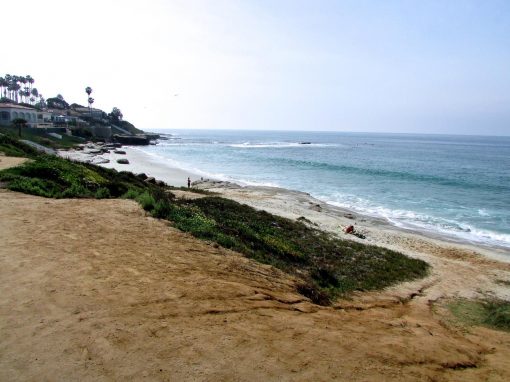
point(458, 186)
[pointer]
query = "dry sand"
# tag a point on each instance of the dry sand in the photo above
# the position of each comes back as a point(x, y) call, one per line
point(6, 162)
point(94, 290)
point(139, 162)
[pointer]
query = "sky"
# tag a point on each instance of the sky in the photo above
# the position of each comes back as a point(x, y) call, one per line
point(373, 66)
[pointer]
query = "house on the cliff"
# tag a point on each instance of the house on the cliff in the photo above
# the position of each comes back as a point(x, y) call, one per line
point(9, 112)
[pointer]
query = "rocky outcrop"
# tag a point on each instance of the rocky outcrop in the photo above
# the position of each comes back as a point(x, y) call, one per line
point(131, 139)
point(138, 139)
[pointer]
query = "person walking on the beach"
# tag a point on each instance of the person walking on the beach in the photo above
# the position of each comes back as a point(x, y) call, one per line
point(189, 182)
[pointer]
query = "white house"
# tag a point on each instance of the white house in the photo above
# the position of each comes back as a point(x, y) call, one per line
point(9, 112)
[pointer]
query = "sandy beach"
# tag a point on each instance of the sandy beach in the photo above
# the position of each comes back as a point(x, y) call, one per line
point(139, 162)
point(96, 290)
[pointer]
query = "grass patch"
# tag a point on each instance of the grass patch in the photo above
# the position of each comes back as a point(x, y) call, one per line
point(41, 137)
point(492, 313)
point(328, 267)
point(14, 148)
point(55, 177)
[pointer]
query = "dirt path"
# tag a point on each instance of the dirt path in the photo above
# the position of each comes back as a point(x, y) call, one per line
point(6, 162)
point(93, 290)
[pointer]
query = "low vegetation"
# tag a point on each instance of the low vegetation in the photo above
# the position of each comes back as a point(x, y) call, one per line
point(40, 136)
point(328, 267)
point(493, 313)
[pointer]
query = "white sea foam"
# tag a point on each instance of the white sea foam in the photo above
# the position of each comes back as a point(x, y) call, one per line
point(278, 145)
point(422, 222)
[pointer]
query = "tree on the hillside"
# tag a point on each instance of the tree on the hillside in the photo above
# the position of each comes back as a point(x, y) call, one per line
point(57, 102)
point(42, 103)
point(116, 115)
point(19, 123)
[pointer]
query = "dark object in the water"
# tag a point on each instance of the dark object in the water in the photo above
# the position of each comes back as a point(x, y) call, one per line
point(122, 161)
point(305, 143)
point(131, 139)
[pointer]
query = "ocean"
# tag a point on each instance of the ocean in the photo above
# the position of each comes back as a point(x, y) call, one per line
point(455, 186)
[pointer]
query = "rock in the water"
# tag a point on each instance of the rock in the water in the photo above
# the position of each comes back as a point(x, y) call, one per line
point(122, 161)
point(150, 179)
point(120, 152)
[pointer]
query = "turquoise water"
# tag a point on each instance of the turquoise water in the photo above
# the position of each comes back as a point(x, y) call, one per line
point(457, 186)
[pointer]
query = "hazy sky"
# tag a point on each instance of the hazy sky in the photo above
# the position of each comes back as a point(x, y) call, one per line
point(386, 66)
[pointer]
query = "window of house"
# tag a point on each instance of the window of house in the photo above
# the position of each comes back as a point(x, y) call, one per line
point(4, 115)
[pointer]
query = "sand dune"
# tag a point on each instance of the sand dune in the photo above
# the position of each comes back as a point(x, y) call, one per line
point(95, 290)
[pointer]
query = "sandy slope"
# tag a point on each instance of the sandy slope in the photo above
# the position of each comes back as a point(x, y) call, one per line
point(6, 162)
point(95, 290)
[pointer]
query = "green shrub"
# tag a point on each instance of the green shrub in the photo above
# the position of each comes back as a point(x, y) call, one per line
point(493, 313)
point(131, 194)
point(146, 200)
point(161, 209)
point(102, 193)
point(498, 314)
point(76, 190)
point(33, 186)
point(12, 147)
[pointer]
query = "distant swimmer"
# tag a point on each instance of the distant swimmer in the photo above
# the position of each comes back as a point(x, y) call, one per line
point(189, 182)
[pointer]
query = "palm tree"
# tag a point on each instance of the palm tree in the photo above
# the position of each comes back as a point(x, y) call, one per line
point(23, 80)
point(16, 87)
point(26, 93)
point(3, 86)
point(35, 93)
point(88, 90)
point(30, 80)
